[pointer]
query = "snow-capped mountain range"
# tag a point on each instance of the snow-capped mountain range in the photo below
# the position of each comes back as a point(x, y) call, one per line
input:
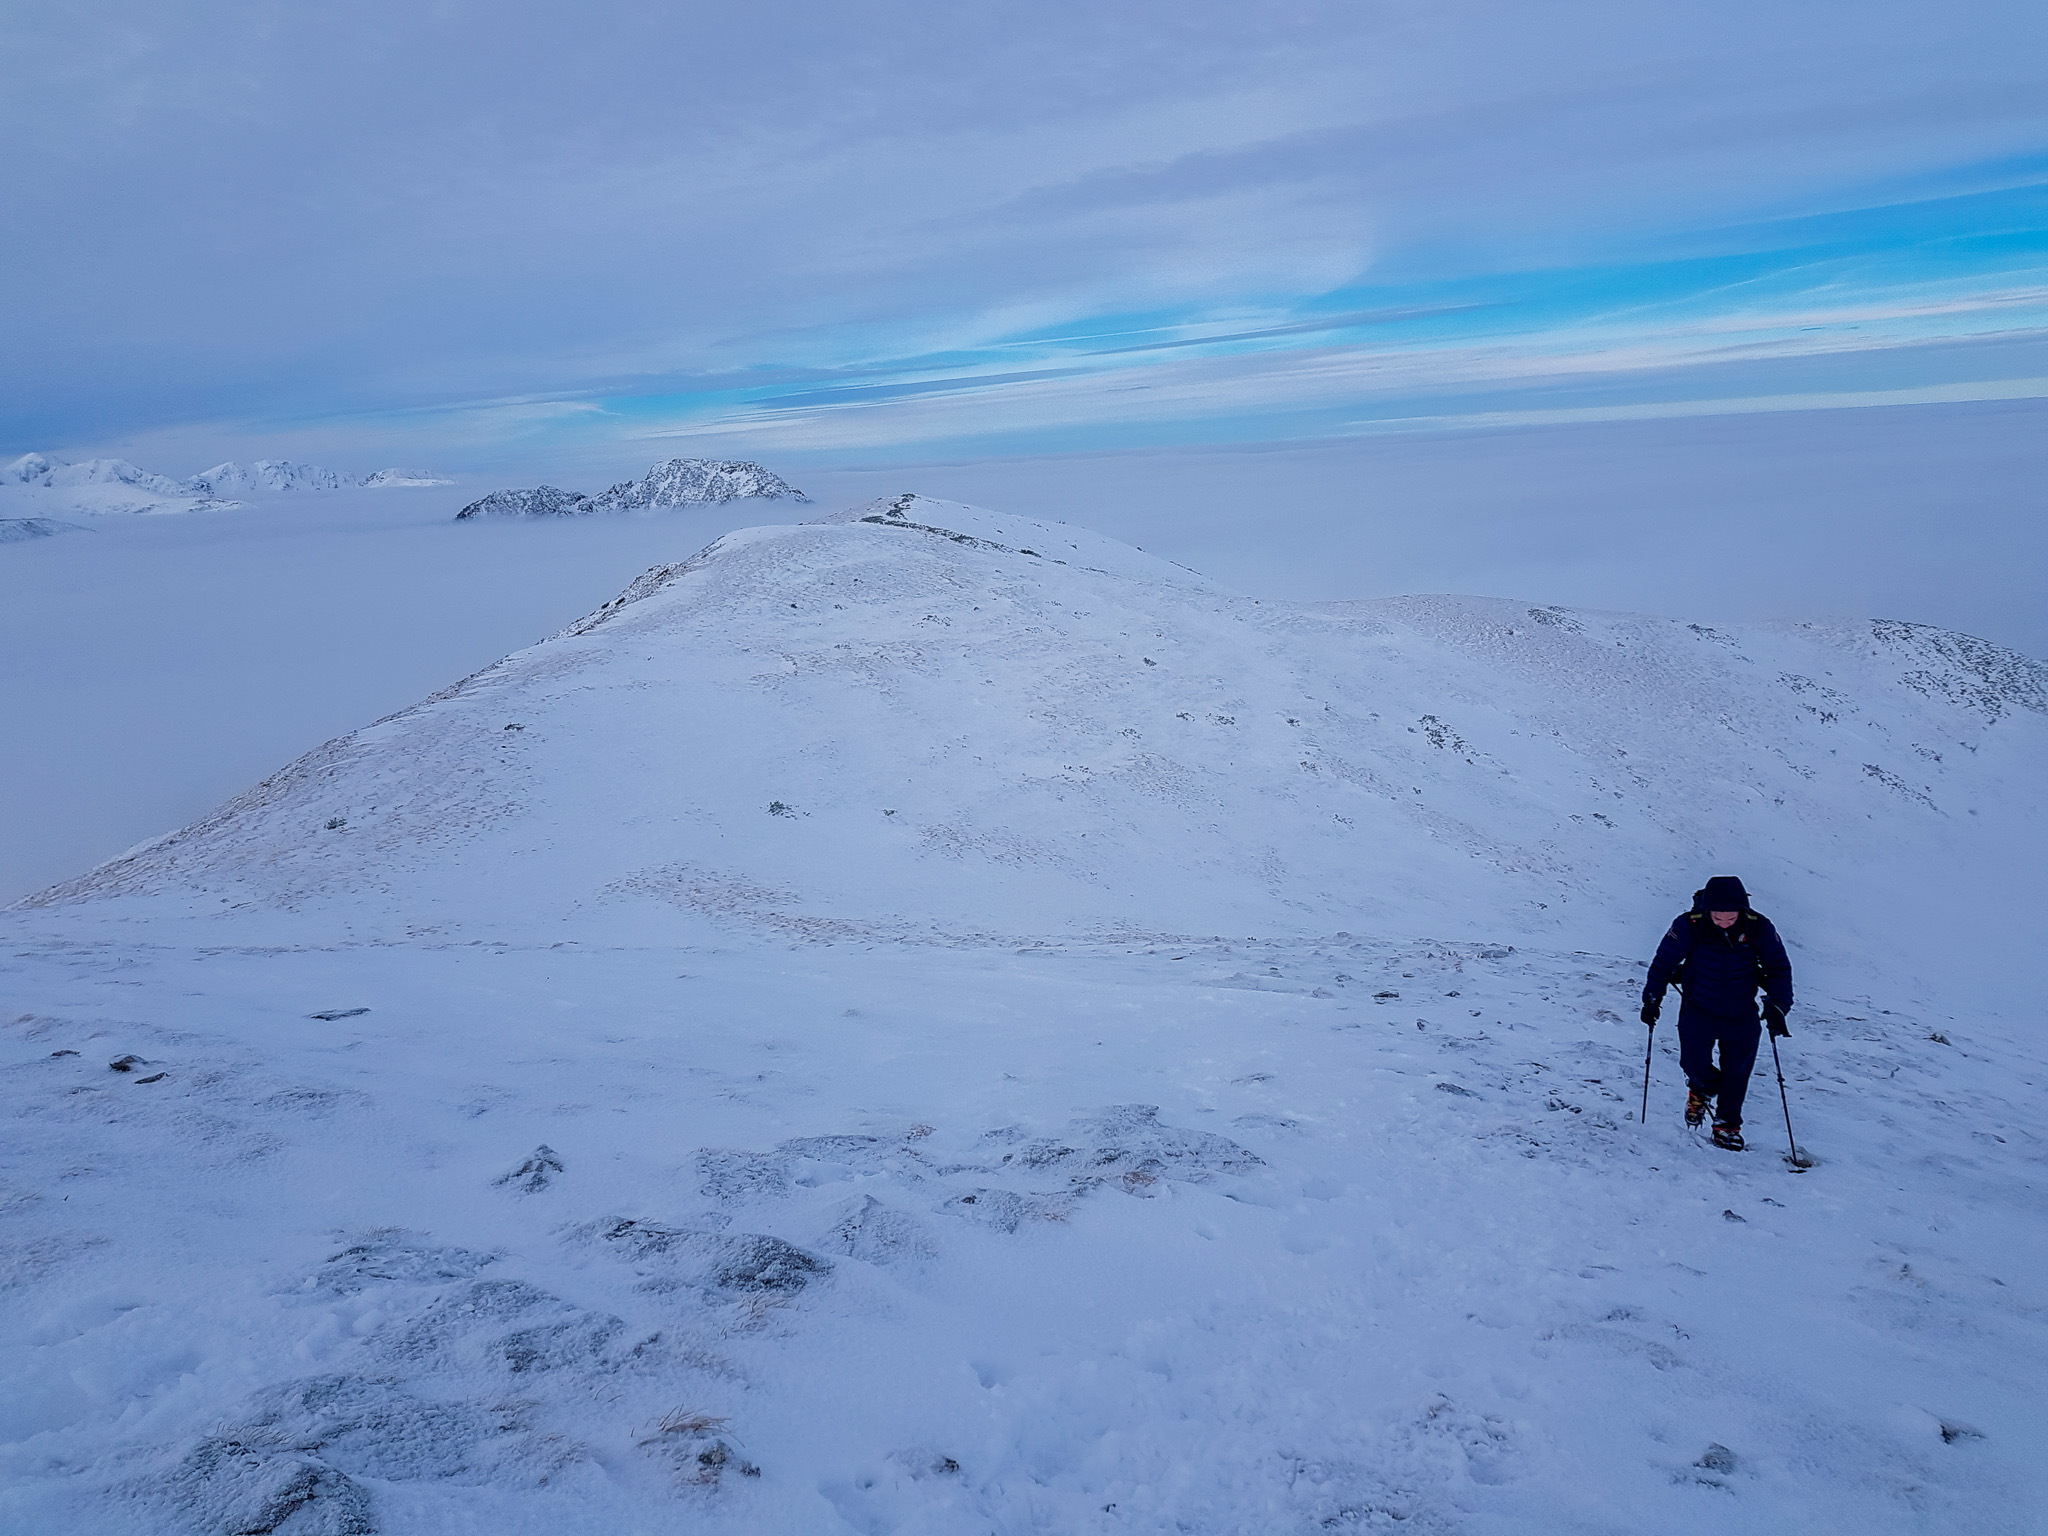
point(115, 485)
point(671, 483)
point(928, 1020)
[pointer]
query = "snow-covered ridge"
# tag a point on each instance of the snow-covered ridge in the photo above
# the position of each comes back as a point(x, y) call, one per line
point(115, 485)
point(977, 723)
point(671, 483)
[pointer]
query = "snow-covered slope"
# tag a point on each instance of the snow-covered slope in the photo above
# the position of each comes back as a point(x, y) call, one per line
point(232, 479)
point(402, 477)
point(35, 483)
point(671, 483)
point(928, 1021)
point(924, 719)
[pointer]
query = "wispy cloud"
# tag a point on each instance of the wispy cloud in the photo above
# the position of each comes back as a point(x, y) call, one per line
point(829, 230)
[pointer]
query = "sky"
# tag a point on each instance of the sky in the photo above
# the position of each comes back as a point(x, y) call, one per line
point(566, 241)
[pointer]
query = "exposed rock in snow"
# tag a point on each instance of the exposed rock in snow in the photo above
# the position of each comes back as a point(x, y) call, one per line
point(542, 501)
point(395, 477)
point(695, 482)
point(671, 483)
point(18, 530)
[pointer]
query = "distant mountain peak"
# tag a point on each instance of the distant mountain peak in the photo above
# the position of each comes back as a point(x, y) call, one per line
point(267, 475)
point(671, 483)
point(41, 470)
point(115, 485)
point(541, 501)
point(697, 482)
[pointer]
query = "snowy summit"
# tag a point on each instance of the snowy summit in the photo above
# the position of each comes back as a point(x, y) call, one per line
point(671, 483)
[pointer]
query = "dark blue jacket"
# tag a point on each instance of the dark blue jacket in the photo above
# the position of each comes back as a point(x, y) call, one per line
point(1720, 969)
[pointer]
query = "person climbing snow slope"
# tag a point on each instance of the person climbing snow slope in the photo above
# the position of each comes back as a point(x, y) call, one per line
point(1719, 954)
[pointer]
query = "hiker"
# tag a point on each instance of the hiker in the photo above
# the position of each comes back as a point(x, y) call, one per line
point(1718, 955)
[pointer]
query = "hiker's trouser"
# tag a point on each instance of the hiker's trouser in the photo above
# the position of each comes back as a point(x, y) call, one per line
point(1728, 1083)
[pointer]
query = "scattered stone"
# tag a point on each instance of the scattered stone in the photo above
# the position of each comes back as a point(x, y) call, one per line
point(755, 1262)
point(507, 1325)
point(1127, 1138)
point(371, 1426)
point(331, 1014)
point(1731, 1216)
point(737, 1264)
point(1717, 1458)
point(127, 1063)
point(391, 1255)
point(253, 1487)
point(1006, 1211)
point(1463, 1093)
point(154, 1077)
point(734, 1175)
point(691, 1445)
point(877, 1234)
point(536, 1173)
point(55, 1054)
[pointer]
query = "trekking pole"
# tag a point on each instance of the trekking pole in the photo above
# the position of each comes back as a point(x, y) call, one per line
point(1650, 1046)
point(1796, 1160)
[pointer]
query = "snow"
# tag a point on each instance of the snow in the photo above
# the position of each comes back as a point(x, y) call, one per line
point(931, 1020)
point(267, 475)
point(36, 483)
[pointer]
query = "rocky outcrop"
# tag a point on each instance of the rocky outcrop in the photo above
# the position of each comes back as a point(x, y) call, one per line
point(541, 501)
point(18, 530)
point(395, 477)
point(671, 483)
point(696, 482)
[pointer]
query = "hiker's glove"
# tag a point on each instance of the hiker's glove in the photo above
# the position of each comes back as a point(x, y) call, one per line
point(1774, 1021)
point(1652, 1006)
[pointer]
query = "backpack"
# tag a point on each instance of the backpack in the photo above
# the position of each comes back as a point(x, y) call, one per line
point(1695, 918)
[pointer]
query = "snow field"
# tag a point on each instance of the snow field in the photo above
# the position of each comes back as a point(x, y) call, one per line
point(1352, 1273)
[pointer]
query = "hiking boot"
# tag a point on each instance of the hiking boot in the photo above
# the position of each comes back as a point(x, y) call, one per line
point(1695, 1107)
point(1728, 1137)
